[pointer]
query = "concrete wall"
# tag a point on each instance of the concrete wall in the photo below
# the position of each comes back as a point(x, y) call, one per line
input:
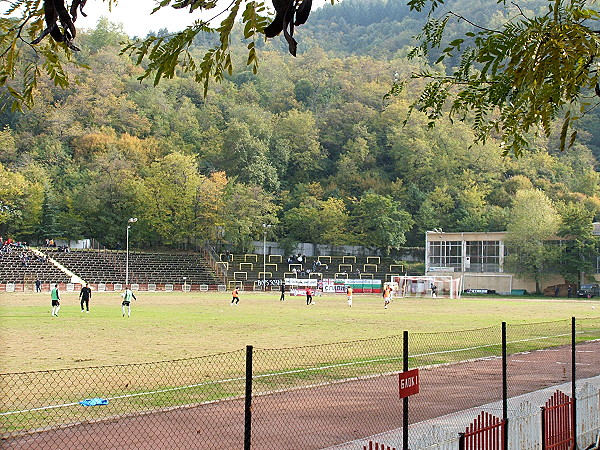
point(502, 283)
point(79, 244)
point(308, 249)
point(411, 254)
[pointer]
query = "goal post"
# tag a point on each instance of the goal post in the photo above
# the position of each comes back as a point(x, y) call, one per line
point(426, 286)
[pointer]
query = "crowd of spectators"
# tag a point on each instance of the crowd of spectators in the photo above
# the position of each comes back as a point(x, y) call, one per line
point(296, 259)
point(9, 245)
point(317, 266)
point(50, 243)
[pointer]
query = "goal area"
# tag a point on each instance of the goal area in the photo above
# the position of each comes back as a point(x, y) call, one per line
point(426, 286)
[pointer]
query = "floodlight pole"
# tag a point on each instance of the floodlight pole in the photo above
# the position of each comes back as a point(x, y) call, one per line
point(265, 226)
point(131, 220)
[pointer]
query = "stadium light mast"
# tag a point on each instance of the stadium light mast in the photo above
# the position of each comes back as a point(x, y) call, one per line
point(265, 227)
point(130, 221)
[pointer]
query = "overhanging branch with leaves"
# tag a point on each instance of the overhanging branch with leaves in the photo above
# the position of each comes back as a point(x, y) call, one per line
point(517, 80)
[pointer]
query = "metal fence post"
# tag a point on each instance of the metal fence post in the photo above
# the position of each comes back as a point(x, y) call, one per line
point(461, 441)
point(248, 398)
point(543, 411)
point(405, 399)
point(573, 386)
point(504, 387)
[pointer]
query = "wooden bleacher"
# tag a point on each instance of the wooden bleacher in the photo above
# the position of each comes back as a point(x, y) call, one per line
point(332, 266)
point(108, 267)
point(144, 267)
point(14, 269)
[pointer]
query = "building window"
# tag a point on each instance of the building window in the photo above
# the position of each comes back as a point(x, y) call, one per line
point(445, 256)
point(484, 256)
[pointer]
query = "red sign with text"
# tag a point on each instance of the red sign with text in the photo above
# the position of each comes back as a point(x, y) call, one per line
point(409, 383)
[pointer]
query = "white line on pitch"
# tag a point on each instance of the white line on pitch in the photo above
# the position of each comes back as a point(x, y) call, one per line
point(568, 364)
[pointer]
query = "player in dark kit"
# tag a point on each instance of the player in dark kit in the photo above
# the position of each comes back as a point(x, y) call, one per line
point(84, 296)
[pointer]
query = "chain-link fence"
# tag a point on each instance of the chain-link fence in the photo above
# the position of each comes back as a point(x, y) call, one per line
point(335, 395)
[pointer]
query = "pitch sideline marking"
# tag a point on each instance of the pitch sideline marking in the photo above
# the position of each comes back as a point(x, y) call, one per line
point(42, 408)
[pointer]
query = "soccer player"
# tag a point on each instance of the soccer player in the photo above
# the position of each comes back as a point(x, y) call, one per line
point(309, 293)
point(127, 296)
point(235, 297)
point(387, 293)
point(84, 297)
point(55, 297)
point(349, 295)
point(282, 296)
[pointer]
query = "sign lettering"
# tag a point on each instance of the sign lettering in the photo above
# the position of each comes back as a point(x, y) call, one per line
point(408, 383)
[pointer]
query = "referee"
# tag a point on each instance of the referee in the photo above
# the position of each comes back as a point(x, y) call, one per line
point(84, 297)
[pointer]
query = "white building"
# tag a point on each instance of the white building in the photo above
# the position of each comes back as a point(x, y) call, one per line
point(478, 258)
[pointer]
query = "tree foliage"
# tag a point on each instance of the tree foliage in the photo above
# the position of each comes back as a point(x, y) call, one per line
point(161, 55)
point(306, 145)
point(533, 222)
point(512, 78)
point(580, 246)
point(516, 79)
point(19, 199)
point(379, 222)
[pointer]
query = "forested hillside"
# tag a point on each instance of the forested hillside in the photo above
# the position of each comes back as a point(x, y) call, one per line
point(308, 145)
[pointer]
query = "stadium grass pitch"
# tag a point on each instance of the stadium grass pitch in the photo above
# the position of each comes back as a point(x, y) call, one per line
point(165, 326)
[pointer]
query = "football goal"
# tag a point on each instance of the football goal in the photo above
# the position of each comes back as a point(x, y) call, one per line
point(500, 283)
point(426, 286)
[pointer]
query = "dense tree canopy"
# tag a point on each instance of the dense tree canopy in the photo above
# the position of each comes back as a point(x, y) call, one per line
point(511, 73)
point(533, 222)
point(579, 246)
point(307, 144)
point(517, 76)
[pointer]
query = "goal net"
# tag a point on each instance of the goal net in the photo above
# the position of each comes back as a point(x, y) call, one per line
point(488, 283)
point(426, 286)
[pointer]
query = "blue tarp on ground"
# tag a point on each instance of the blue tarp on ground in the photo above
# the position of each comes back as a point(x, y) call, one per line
point(93, 401)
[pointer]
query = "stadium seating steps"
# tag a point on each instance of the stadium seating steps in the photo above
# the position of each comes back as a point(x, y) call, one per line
point(144, 267)
point(248, 268)
point(160, 267)
point(14, 268)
